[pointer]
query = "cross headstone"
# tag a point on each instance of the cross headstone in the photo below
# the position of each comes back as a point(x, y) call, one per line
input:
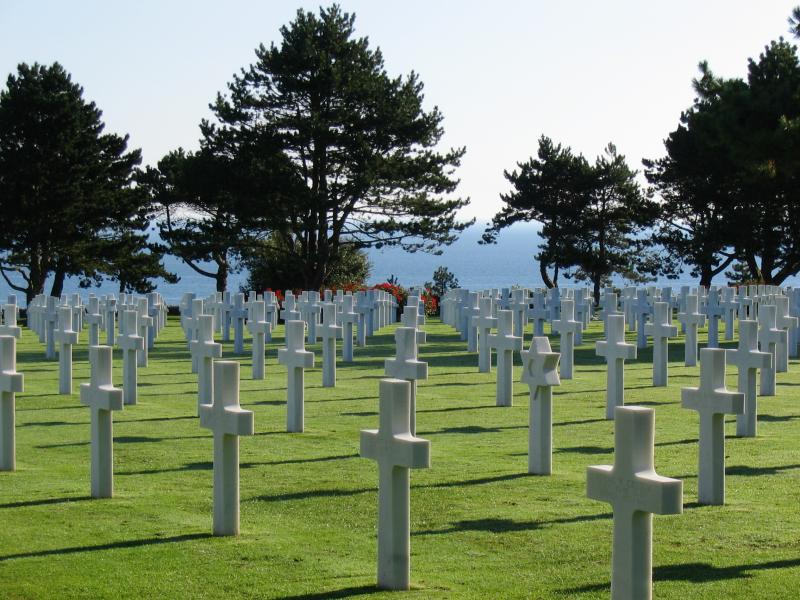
point(102, 398)
point(9, 322)
point(405, 365)
point(729, 305)
point(610, 307)
point(238, 316)
point(661, 331)
point(769, 336)
point(690, 319)
point(783, 320)
point(714, 312)
point(616, 351)
point(505, 343)
point(131, 344)
point(635, 492)
point(296, 359)
point(567, 328)
point(51, 321)
point(111, 321)
point(484, 322)
point(65, 337)
point(540, 372)
point(348, 318)
point(95, 320)
point(11, 383)
point(204, 350)
point(641, 309)
point(227, 420)
point(224, 321)
point(539, 313)
point(396, 450)
point(713, 401)
point(519, 306)
point(748, 359)
point(258, 326)
point(329, 331)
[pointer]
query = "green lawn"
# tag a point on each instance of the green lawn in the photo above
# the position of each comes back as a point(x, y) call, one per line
point(481, 527)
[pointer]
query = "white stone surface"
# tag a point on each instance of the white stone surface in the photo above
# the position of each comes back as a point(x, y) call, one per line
point(329, 331)
point(11, 383)
point(635, 492)
point(540, 372)
point(484, 322)
point(690, 319)
point(204, 350)
point(769, 336)
point(567, 328)
point(505, 344)
point(296, 359)
point(712, 401)
point(396, 451)
point(661, 331)
point(616, 351)
point(348, 319)
point(748, 359)
point(405, 365)
point(102, 398)
point(66, 338)
point(227, 420)
point(131, 344)
point(259, 329)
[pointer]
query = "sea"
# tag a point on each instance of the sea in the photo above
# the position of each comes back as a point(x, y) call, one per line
point(477, 266)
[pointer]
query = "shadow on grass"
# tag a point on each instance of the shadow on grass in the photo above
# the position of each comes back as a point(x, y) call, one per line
point(699, 573)
point(209, 465)
point(44, 502)
point(746, 471)
point(342, 593)
point(110, 546)
point(509, 525)
point(585, 450)
point(472, 429)
point(128, 439)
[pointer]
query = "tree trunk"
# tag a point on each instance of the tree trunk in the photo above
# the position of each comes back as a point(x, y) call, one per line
point(222, 276)
point(58, 280)
point(597, 281)
point(545, 277)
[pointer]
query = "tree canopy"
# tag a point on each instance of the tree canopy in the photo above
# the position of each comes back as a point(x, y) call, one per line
point(353, 152)
point(66, 192)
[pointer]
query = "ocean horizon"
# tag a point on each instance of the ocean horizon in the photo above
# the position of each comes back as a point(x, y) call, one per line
point(507, 263)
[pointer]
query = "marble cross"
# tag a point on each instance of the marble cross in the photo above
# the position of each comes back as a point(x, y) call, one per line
point(238, 316)
point(111, 321)
point(484, 322)
point(9, 322)
point(616, 351)
point(329, 331)
point(131, 344)
point(11, 383)
point(748, 359)
point(50, 326)
point(296, 359)
point(259, 328)
point(227, 420)
point(714, 312)
point(348, 318)
point(610, 306)
point(713, 401)
point(396, 450)
point(505, 344)
point(691, 319)
point(783, 320)
point(635, 492)
point(769, 337)
point(102, 398)
point(641, 308)
point(95, 320)
point(567, 328)
point(540, 372)
point(411, 318)
point(145, 324)
point(661, 331)
point(538, 313)
point(65, 337)
point(405, 365)
point(204, 350)
point(729, 305)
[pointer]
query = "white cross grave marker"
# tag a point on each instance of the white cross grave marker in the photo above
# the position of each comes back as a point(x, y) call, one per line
point(769, 336)
point(11, 383)
point(131, 344)
point(567, 327)
point(484, 323)
point(396, 451)
point(661, 331)
point(349, 318)
point(329, 331)
point(405, 365)
point(748, 359)
point(101, 397)
point(65, 337)
point(259, 328)
point(713, 401)
point(505, 344)
point(616, 351)
point(227, 420)
point(204, 350)
point(296, 359)
point(691, 319)
point(635, 492)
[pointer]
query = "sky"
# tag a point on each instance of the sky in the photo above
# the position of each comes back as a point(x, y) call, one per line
point(502, 72)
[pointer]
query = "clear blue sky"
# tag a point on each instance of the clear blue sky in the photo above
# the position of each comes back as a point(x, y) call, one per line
point(502, 73)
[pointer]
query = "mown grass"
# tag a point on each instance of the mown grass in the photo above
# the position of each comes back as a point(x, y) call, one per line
point(481, 527)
